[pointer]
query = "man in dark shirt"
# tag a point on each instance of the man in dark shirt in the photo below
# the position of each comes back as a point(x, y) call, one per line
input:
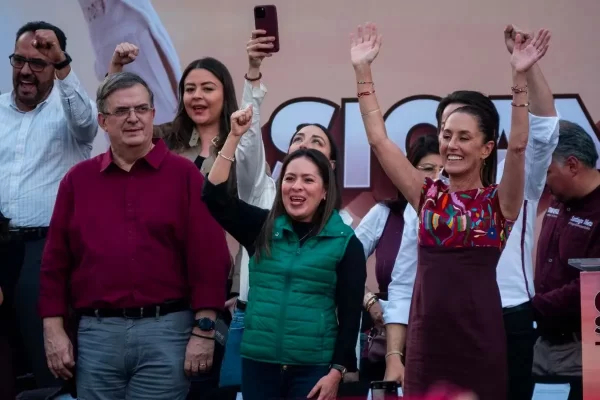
point(571, 229)
point(134, 249)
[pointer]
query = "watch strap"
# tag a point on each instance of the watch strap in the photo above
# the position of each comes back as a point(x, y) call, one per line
point(340, 368)
point(64, 63)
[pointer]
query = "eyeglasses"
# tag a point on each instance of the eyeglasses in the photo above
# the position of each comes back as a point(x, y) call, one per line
point(122, 112)
point(35, 64)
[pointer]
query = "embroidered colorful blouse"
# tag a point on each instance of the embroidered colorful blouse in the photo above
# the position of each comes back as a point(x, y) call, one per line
point(470, 218)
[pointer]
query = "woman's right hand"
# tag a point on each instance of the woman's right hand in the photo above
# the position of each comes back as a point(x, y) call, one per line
point(365, 45)
point(257, 47)
point(241, 121)
point(376, 313)
point(394, 369)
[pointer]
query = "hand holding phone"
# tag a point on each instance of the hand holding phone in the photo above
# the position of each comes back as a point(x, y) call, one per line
point(384, 390)
point(265, 18)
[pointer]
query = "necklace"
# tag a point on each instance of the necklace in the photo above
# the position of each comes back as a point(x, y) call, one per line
point(308, 233)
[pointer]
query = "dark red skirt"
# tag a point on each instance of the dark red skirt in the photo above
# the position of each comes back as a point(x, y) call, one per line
point(455, 330)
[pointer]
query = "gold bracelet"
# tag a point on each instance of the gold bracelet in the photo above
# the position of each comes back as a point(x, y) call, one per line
point(519, 105)
point(370, 112)
point(231, 159)
point(367, 298)
point(391, 353)
point(372, 301)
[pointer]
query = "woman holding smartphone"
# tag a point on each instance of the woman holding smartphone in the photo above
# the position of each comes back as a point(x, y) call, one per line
point(307, 273)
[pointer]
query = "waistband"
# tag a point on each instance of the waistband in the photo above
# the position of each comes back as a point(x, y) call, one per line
point(241, 305)
point(150, 311)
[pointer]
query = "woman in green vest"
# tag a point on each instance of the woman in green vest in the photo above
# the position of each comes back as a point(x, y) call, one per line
point(307, 276)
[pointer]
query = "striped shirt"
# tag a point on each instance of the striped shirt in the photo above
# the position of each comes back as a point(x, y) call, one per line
point(38, 147)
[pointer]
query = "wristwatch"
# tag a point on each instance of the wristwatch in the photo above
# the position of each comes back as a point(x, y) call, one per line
point(64, 63)
point(340, 368)
point(205, 324)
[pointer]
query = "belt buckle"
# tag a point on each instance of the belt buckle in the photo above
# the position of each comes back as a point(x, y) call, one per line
point(140, 316)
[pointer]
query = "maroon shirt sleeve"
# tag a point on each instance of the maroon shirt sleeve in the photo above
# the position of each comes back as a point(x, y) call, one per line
point(56, 260)
point(208, 258)
point(561, 301)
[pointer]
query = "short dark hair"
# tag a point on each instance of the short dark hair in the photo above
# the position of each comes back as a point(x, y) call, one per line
point(37, 25)
point(324, 210)
point(574, 141)
point(118, 81)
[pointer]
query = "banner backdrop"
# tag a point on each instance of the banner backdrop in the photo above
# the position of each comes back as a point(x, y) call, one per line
point(430, 48)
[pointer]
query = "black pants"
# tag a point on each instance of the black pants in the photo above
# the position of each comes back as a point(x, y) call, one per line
point(520, 339)
point(26, 311)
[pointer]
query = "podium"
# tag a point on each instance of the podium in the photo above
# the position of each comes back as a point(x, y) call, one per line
point(590, 324)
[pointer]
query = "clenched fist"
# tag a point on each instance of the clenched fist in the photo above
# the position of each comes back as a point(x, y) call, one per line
point(46, 42)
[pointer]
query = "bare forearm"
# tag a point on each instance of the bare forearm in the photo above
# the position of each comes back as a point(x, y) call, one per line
point(541, 99)
point(511, 190)
point(115, 68)
point(53, 323)
point(395, 164)
point(395, 336)
point(221, 169)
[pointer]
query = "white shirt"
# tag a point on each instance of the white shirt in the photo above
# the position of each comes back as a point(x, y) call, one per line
point(513, 284)
point(254, 185)
point(111, 22)
point(511, 281)
point(38, 147)
point(400, 290)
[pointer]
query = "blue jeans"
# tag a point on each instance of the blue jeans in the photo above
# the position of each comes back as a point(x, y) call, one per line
point(231, 369)
point(266, 381)
point(133, 359)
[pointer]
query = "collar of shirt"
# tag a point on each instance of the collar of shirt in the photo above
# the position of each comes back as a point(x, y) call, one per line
point(13, 101)
point(592, 198)
point(154, 157)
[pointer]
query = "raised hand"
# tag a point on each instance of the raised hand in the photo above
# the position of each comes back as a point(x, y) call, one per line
point(124, 54)
point(46, 42)
point(366, 43)
point(241, 121)
point(527, 53)
point(510, 32)
point(257, 47)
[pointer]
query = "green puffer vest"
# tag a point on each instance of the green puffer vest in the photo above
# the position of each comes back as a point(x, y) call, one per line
point(291, 314)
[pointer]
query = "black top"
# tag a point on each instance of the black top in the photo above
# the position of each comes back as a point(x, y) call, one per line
point(244, 222)
point(198, 161)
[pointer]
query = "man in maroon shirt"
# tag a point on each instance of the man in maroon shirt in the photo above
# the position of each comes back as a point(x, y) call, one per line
point(571, 229)
point(132, 248)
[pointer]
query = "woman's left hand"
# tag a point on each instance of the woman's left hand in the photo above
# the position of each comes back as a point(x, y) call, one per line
point(528, 52)
point(327, 387)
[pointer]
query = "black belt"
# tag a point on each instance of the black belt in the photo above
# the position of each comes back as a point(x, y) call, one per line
point(521, 307)
point(240, 305)
point(28, 234)
point(558, 338)
point(151, 311)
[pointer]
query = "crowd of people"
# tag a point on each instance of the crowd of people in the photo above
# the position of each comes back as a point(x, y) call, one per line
point(117, 280)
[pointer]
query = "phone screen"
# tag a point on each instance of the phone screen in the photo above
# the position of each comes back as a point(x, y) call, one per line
point(384, 390)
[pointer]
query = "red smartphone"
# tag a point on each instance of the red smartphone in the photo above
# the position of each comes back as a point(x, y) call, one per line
point(265, 17)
